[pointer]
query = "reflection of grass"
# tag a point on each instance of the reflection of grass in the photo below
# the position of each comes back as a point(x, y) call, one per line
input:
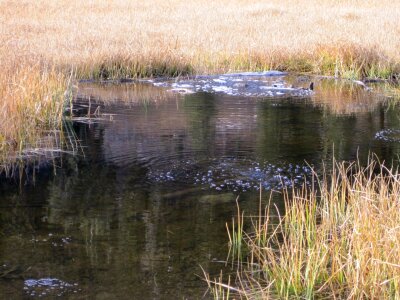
point(130, 94)
point(339, 240)
point(119, 39)
point(392, 90)
point(344, 97)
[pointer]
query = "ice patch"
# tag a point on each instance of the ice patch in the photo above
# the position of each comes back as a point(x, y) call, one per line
point(249, 84)
point(182, 86)
point(182, 91)
point(265, 73)
point(223, 89)
point(160, 84)
point(388, 135)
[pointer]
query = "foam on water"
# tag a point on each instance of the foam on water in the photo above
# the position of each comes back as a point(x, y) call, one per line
point(234, 175)
point(49, 287)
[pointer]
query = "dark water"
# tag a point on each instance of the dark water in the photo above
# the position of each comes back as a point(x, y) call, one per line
point(145, 202)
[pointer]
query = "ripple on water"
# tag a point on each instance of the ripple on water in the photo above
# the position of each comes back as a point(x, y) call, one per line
point(49, 287)
point(234, 175)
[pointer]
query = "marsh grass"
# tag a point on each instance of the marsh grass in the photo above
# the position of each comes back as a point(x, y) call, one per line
point(119, 39)
point(339, 240)
point(31, 112)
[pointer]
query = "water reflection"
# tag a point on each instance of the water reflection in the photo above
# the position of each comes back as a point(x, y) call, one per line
point(147, 203)
point(109, 234)
point(342, 97)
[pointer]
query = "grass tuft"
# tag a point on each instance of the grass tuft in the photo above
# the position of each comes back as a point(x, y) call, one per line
point(31, 110)
point(338, 241)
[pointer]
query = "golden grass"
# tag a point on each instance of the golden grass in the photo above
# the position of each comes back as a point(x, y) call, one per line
point(43, 41)
point(116, 38)
point(337, 241)
point(31, 109)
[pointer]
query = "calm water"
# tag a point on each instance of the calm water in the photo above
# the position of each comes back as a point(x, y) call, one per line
point(144, 204)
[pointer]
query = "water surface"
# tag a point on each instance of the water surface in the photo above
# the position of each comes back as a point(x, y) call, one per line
point(145, 203)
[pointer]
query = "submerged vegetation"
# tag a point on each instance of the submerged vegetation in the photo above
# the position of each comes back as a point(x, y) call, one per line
point(43, 42)
point(337, 240)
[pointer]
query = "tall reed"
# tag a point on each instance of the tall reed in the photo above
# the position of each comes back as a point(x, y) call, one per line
point(337, 241)
point(31, 110)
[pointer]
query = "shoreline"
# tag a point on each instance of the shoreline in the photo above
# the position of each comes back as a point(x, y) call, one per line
point(66, 99)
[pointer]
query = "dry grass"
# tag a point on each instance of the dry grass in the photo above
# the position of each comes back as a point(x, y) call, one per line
point(119, 38)
point(43, 41)
point(31, 109)
point(339, 241)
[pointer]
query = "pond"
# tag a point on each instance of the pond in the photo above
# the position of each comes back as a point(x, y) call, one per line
point(160, 163)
